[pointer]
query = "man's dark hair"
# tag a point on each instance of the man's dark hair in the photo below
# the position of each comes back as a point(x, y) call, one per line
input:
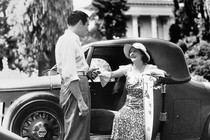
point(76, 16)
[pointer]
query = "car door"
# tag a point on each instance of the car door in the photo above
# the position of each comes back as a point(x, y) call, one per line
point(106, 58)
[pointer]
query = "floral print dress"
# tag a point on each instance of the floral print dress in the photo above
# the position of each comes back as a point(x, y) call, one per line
point(129, 122)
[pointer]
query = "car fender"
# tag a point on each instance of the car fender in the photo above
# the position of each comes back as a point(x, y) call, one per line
point(24, 101)
point(206, 129)
point(8, 135)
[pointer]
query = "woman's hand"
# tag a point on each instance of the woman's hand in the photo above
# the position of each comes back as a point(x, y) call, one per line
point(104, 78)
point(156, 73)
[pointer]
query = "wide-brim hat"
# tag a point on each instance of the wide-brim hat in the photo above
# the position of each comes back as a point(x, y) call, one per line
point(139, 46)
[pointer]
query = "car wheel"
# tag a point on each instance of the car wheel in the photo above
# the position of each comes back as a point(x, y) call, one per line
point(39, 120)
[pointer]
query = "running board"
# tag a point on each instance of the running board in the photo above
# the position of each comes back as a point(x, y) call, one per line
point(107, 137)
point(100, 137)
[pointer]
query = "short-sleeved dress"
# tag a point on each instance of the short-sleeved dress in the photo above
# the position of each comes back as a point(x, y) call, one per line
point(129, 122)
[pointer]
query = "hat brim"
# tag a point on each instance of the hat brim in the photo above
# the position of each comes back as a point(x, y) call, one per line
point(127, 48)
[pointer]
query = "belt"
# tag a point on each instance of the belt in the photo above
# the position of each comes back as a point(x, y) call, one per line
point(84, 73)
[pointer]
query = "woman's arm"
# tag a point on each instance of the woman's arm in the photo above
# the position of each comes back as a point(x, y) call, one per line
point(107, 75)
point(155, 71)
point(117, 73)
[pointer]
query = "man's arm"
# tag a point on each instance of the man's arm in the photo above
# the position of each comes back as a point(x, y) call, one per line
point(69, 73)
point(74, 88)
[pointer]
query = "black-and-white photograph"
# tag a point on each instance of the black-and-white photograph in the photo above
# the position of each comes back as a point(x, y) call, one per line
point(105, 70)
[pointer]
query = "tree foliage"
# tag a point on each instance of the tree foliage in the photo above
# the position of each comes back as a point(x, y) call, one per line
point(35, 26)
point(4, 29)
point(192, 16)
point(193, 26)
point(110, 18)
point(198, 60)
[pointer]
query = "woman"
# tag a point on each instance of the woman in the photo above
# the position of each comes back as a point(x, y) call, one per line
point(128, 124)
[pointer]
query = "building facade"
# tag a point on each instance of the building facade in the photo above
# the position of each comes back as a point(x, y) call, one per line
point(149, 18)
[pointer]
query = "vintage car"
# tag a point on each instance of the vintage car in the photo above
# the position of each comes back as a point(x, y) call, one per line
point(181, 107)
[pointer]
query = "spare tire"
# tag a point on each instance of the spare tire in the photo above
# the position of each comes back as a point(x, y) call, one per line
point(37, 118)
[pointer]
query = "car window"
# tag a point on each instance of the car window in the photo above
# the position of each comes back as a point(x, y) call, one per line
point(102, 65)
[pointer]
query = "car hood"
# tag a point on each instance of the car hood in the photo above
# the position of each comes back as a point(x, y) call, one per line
point(43, 82)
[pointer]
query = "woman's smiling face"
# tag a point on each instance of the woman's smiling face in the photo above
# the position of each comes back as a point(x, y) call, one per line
point(135, 54)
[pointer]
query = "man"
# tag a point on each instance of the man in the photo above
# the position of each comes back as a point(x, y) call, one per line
point(73, 68)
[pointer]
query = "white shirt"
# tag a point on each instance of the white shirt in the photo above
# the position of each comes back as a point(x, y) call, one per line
point(70, 56)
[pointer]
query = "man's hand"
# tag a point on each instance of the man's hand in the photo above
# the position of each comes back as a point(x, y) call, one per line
point(83, 108)
point(93, 73)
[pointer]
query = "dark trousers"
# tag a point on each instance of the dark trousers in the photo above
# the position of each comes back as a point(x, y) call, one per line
point(76, 127)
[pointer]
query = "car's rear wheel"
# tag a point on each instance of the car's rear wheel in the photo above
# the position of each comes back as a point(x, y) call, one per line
point(39, 120)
